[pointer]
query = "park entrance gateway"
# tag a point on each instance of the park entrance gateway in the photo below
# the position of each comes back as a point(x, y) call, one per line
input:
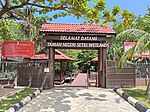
point(77, 36)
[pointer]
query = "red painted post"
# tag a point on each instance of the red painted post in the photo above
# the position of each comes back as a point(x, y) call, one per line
point(96, 78)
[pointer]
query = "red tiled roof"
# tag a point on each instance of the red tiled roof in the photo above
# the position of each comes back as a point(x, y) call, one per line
point(63, 55)
point(58, 56)
point(40, 56)
point(76, 28)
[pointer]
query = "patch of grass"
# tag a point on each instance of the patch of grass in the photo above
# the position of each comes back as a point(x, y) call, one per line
point(139, 93)
point(11, 100)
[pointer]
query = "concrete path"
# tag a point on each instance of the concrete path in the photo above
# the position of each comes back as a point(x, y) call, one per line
point(80, 80)
point(7, 91)
point(87, 99)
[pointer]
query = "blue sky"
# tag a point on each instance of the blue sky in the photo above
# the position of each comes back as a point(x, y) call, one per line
point(139, 7)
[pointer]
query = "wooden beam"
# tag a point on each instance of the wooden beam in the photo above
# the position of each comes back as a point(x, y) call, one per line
point(51, 66)
point(77, 34)
point(101, 67)
point(104, 61)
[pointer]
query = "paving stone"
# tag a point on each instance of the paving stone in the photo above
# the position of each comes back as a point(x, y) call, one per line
point(89, 99)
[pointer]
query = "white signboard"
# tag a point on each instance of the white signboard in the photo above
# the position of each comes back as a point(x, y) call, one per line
point(46, 70)
point(77, 45)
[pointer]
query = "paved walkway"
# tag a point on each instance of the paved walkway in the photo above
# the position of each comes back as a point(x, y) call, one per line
point(80, 80)
point(7, 91)
point(87, 99)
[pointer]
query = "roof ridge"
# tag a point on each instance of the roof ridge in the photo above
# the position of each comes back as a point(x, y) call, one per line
point(75, 24)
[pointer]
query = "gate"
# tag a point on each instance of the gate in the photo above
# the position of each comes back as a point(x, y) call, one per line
point(124, 78)
point(31, 74)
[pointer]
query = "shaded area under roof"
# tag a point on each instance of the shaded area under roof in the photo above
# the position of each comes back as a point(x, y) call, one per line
point(11, 60)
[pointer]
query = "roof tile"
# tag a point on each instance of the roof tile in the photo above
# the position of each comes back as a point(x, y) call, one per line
point(76, 28)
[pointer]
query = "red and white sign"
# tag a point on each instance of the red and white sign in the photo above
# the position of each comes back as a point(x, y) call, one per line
point(17, 49)
point(128, 45)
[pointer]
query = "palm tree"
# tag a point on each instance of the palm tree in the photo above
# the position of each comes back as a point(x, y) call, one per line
point(143, 43)
point(141, 35)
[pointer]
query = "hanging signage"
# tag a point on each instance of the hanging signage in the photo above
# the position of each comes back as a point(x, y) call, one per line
point(128, 45)
point(77, 38)
point(84, 38)
point(17, 49)
point(77, 45)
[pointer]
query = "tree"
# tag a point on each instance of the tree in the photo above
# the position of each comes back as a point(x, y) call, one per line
point(82, 58)
point(143, 42)
point(10, 30)
point(96, 13)
point(14, 8)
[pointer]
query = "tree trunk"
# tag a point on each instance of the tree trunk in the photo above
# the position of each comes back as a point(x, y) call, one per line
point(148, 88)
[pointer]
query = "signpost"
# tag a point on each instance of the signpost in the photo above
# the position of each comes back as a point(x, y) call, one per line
point(77, 45)
point(17, 49)
point(128, 45)
point(80, 38)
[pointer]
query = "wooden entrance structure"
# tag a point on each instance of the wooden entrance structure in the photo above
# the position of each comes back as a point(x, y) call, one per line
point(77, 36)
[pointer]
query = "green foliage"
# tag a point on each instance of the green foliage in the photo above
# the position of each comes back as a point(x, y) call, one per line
point(100, 5)
point(140, 35)
point(82, 58)
point(11, 100)
point(96, 13)
point(143, 43)
point(139, 30)
point(85, 57)
point(116, 50)
point(143, 23)
point(116, 10)
point(10, 30)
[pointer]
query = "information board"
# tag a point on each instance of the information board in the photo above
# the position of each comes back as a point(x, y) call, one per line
point(128, 45)
point(17, 49)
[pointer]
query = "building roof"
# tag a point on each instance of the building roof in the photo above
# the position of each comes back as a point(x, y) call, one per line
point(63, 55)
point(76, 28)
point(59, 56)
